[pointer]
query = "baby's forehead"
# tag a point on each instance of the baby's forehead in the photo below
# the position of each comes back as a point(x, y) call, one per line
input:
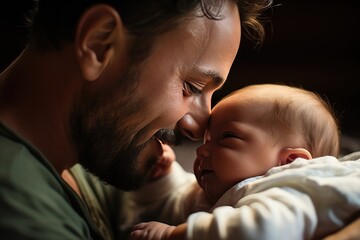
point(242, 109)
point(243, 99)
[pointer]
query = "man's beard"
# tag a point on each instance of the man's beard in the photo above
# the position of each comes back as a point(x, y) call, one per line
point(104, 132)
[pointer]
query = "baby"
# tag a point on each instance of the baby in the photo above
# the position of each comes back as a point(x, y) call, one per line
point(254, 177)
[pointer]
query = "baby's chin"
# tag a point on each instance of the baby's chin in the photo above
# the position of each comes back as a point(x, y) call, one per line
point(211, 197)
point(212, 192)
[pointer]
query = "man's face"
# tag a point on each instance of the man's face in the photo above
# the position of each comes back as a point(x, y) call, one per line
point(170, 90)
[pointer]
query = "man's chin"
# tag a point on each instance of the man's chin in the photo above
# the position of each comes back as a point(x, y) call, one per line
point(121, 180)
point(122, 171)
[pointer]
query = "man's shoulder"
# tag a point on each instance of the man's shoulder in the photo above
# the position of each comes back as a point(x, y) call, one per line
point(19, 166)
point(24, 177)
point(11, 152)
point(33, 196)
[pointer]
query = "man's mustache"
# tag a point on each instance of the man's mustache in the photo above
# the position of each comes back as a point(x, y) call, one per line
point(168, 136)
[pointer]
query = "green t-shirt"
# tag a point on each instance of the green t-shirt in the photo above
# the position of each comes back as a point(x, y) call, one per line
point(35, 203)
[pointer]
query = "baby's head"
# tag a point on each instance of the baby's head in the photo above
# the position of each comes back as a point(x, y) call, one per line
point(259, 127)
point(290, 111)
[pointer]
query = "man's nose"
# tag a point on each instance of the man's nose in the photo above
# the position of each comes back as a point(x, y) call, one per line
point(194, 123)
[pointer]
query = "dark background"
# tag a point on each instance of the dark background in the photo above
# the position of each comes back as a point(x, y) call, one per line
point(310, 43)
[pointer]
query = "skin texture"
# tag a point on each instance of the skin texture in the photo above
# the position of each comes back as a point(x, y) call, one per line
point(350, 232)
point(88, 103)
point(237, 145)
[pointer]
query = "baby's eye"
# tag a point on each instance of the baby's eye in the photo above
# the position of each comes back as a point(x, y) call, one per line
point(229, 135)
point(190, 89)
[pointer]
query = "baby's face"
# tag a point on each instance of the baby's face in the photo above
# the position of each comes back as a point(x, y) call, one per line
point(236, 147)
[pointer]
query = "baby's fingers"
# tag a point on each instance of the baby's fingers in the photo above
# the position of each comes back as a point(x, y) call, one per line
point(138, 234)
point(140, 226)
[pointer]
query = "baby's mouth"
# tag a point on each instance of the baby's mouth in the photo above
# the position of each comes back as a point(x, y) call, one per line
point(204, 179)
point(205, 172)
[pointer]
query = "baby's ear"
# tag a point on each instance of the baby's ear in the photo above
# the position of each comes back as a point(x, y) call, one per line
point(288, 155)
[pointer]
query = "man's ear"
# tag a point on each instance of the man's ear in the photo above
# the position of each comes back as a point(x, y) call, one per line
point(96, 35)
point(288, 155)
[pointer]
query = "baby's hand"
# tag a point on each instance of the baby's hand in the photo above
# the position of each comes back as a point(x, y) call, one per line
point(163, 164)
point(151, 231)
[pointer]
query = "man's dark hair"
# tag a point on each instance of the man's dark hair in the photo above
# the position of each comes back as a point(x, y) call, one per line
point(53, 22)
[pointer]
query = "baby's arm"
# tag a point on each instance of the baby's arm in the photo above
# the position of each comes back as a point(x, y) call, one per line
point(170, 198)
point(157, 231)
point(263, 218)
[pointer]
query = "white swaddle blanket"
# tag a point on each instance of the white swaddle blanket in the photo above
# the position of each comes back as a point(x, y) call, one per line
point(307, 199)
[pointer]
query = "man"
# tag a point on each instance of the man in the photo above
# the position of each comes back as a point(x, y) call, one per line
point(99, 81)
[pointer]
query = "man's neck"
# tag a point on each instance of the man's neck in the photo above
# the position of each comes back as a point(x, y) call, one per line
point(36, 97)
